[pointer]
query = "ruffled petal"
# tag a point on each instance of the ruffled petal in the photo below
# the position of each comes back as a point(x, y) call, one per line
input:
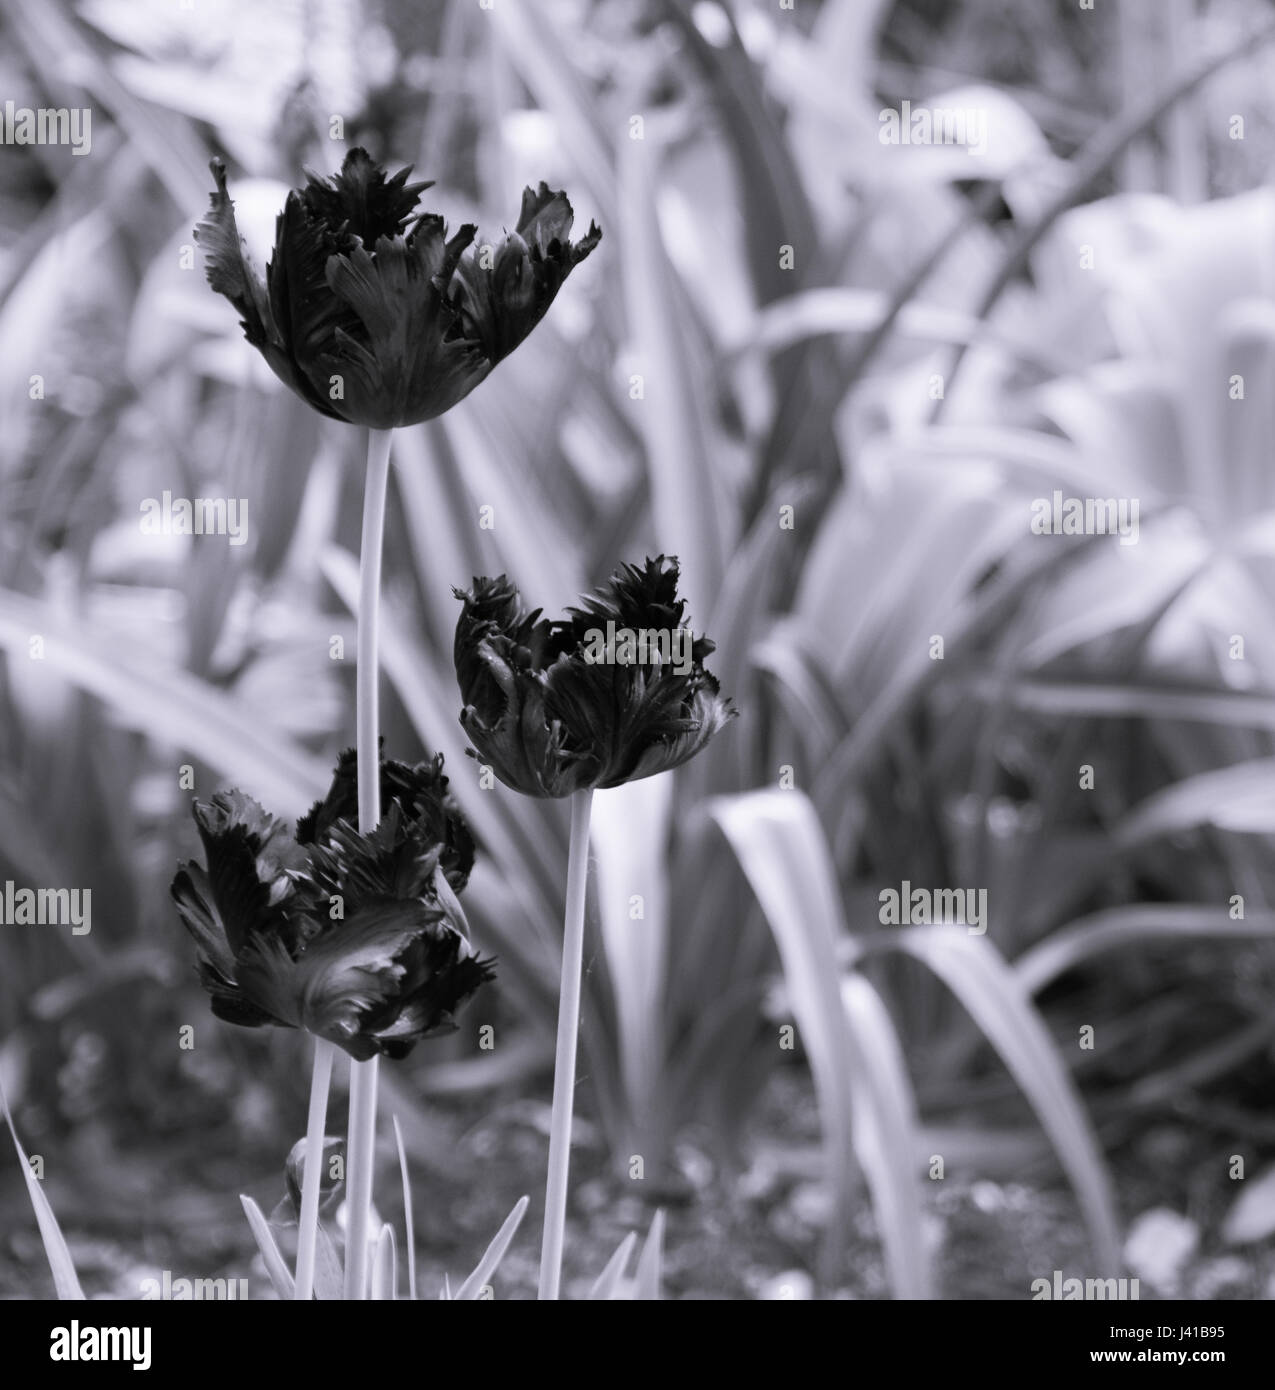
point(504, 293)
point(361, 200)
point(229, 268)
point(303, 305)
point(419, 790)
point(251, 864)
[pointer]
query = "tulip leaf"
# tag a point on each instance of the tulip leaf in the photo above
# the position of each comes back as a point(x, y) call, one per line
point(65, 1279)
point(472, 1288)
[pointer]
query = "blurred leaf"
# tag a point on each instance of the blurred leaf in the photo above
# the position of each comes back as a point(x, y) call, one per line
point(1142, 923)
point(1239, 799)
point(531, 552)
point(825, 312)
point(629, 831)
point(885, 1107)
point(1252, 1215)
point(973, 970)
point(1094, 162)
point(60, 51)
point(687, 511)
point(535, 45)
point(1127, 700)
point(169, 706)
point(782, 851)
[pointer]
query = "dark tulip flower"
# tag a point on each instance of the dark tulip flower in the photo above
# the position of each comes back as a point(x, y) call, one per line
point(378, 323)
point(613, 692)
point(420, 789)
point(356, 938)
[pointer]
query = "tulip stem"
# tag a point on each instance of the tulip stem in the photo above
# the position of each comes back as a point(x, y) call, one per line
point(361, 1147)
point(312, 1173)
point(564, 1066)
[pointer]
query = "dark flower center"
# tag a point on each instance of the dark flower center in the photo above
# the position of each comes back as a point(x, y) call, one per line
point(360, 200)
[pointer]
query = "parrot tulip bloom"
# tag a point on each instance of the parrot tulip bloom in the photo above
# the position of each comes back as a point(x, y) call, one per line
point(356, 938)
point(594, 700)
point(377, 325)
point(420, 789)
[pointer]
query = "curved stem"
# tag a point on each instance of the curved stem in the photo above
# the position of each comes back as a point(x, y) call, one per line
point(564, 1066)
point(363, 1075)
point(312, 1173)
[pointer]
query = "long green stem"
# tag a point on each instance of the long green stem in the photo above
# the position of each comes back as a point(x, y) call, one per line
point(312, 1173)
point(363, 1075)
point(564, 1066)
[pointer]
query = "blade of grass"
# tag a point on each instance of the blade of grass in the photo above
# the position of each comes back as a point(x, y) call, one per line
point(495, 1252)
point(276, 1265)
point(408, 1222)
point(606, 1284)
point(65, 1279)
point(651, 1262)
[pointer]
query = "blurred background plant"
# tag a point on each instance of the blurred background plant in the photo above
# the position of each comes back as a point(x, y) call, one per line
point(831, 375)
